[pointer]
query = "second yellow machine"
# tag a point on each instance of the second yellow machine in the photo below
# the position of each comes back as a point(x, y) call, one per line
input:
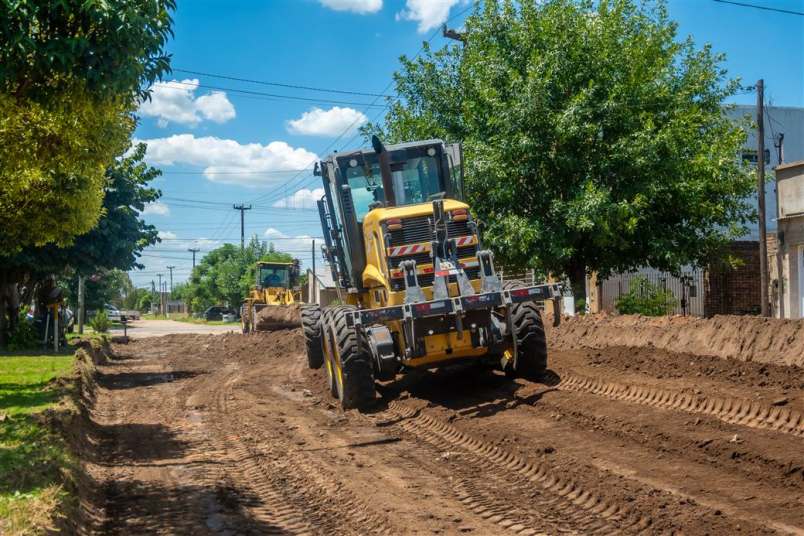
point(273, 302)
point(417, 288)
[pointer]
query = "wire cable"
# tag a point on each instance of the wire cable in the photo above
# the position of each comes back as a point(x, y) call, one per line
point(260, 93)
point(764, 8)
point(279, 84)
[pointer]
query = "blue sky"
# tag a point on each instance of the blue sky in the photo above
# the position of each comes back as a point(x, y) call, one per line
point(218, 144)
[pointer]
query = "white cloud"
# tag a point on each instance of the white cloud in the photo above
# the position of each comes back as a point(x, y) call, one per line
point(157, 207)
point(285, 242)
point(303, 198)
point(356, 6)
point(167, 234)
point(176, 102)
point(428, 13)
point(229, 161)
point(332, 122)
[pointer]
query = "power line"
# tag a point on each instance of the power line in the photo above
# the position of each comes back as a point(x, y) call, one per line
point(258, 172)
point(764, 8)
point(263, 94)
point(287, 185)
point(267, 239)
point(279, 84)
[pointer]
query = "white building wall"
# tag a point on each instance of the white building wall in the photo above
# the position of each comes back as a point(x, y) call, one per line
point(778, 119)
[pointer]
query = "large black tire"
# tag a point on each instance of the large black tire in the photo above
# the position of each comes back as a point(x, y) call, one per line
point(355, 384)
point(311, 326)
point(327, 339)
point(531, 341)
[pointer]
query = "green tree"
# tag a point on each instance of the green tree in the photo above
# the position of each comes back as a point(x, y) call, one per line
point(225, 275)
point(595, 139)
point(144, 302)
point(71, 73)
point(114, 244)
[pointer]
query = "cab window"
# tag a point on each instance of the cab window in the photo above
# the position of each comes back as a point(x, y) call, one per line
point(415, 175)
point(274, 276)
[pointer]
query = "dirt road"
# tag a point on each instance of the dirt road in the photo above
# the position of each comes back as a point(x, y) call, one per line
point(231, 434)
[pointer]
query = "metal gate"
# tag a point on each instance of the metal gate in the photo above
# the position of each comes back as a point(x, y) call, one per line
point(687, 287)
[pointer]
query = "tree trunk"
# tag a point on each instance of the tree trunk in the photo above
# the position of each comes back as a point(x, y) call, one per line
point(5, 327)
point(577, 274)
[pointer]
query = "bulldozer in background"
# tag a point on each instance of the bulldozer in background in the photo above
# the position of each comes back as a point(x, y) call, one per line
point(273, 302)
point(417, 288)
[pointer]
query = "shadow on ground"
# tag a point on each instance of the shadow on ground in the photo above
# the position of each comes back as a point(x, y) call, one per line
point(470, 390)
point(128, 380)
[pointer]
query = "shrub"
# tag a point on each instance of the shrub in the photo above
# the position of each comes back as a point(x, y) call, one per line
point(24, 337)
point(100, 323)
point(645, 298)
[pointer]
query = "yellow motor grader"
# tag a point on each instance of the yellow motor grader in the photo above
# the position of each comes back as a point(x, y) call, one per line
point(417, 288)
point(273, 303)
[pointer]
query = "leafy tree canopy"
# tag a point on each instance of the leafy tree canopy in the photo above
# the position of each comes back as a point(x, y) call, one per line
point(111, 247)
point(594, 138)
point(115, 47)
point(52, 163)
point(71, 74)
point(119, 236)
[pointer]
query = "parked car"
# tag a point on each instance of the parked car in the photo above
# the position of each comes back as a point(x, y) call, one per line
point(216, 312)
point(229, 317)
point(130, 314)
point(112, 312)
point(68, 319)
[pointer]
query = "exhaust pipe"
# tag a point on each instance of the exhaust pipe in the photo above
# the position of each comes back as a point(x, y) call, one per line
point(385, 171)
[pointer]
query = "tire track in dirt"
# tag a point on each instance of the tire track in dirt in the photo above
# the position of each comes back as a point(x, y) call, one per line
point(578, 509)
point(731, 410)
point(157, 472)
point(273, 508)
point(299, 496)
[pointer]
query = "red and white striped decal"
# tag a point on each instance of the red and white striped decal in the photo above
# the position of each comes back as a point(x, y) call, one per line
point(409, 249)
point(465, 240)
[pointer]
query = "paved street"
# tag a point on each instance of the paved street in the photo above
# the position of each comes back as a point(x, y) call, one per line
point(156, 328)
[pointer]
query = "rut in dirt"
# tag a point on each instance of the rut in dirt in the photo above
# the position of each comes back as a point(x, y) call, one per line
point(233, 434)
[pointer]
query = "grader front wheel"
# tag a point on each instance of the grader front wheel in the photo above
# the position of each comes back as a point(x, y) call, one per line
point(349, 367)
point(311, 326)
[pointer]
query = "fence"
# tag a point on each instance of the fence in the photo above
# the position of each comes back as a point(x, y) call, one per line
point(528, 277)
point(687, 287)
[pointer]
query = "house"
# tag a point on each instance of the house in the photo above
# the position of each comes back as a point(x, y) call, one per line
point(720, 290)
point(787, 265)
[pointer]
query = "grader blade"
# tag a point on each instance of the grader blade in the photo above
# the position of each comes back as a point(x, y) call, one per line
point(275, 317)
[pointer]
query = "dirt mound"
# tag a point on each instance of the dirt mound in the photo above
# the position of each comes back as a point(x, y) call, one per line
point(278, 317)
point(745, 338)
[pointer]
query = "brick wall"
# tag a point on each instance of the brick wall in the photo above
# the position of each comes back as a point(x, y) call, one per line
point(735, 291)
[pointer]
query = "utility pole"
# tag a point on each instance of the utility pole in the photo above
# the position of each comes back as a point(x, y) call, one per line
point(81, 304)
point(242, 208)
point(171, 279)
point(160, 293)
point(763, 244)
point(193, 251)
point(779, 144)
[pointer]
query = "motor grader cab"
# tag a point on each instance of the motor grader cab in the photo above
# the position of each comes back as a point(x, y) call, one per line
point(417, 287)
point(272, 302)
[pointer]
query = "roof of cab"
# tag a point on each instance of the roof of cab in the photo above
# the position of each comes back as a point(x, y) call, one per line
point(395, 147)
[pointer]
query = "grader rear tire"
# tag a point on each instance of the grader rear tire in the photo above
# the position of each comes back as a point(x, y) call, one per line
point(311, 326)
point(352, 366)
point(530, 338)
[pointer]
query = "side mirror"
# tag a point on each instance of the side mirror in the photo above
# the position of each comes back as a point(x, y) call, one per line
point(317, 170)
